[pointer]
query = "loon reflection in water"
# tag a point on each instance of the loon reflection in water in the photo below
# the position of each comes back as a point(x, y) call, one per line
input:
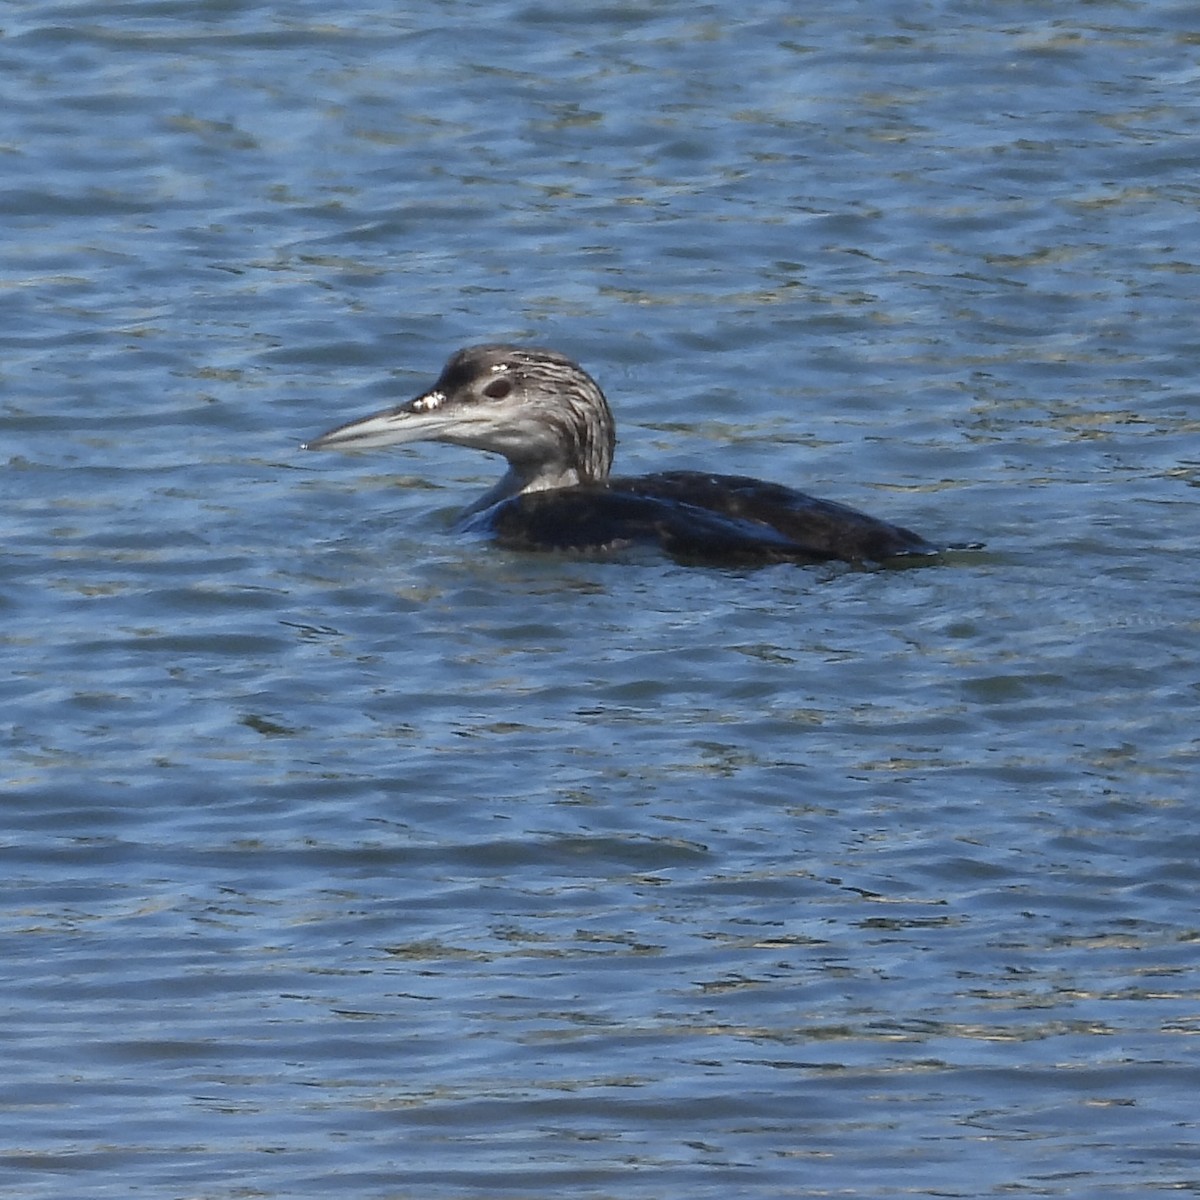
point(550, 420)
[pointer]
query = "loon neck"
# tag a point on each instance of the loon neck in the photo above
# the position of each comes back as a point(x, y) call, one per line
point(517, 481)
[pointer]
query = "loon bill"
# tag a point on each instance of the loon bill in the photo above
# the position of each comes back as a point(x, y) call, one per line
point(550, 420)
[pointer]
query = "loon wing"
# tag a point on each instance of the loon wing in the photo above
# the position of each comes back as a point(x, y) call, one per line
point(696, 517)
point(820, 529)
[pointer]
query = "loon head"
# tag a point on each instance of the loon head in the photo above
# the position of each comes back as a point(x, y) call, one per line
point(541, 411)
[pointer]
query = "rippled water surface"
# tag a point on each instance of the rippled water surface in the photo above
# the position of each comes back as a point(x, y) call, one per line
point(345, 856)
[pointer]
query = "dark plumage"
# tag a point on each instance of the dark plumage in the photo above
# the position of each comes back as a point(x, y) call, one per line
point(550, 420)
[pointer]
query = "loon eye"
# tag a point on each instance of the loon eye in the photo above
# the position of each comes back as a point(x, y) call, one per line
point(498, 388)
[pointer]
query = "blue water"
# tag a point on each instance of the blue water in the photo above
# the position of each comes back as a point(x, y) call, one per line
point(342, 854)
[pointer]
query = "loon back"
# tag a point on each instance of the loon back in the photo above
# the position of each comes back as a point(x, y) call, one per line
point(550, 420)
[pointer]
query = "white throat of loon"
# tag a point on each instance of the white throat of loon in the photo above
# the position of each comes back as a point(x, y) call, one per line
point(537, 408)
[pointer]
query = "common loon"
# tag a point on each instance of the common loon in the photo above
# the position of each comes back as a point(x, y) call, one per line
point(550, 420)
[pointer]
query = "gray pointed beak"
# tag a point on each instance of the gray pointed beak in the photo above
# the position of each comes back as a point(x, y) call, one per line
point(418, 420)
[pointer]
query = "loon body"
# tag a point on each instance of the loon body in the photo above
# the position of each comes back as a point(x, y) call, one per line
point(550, 420)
